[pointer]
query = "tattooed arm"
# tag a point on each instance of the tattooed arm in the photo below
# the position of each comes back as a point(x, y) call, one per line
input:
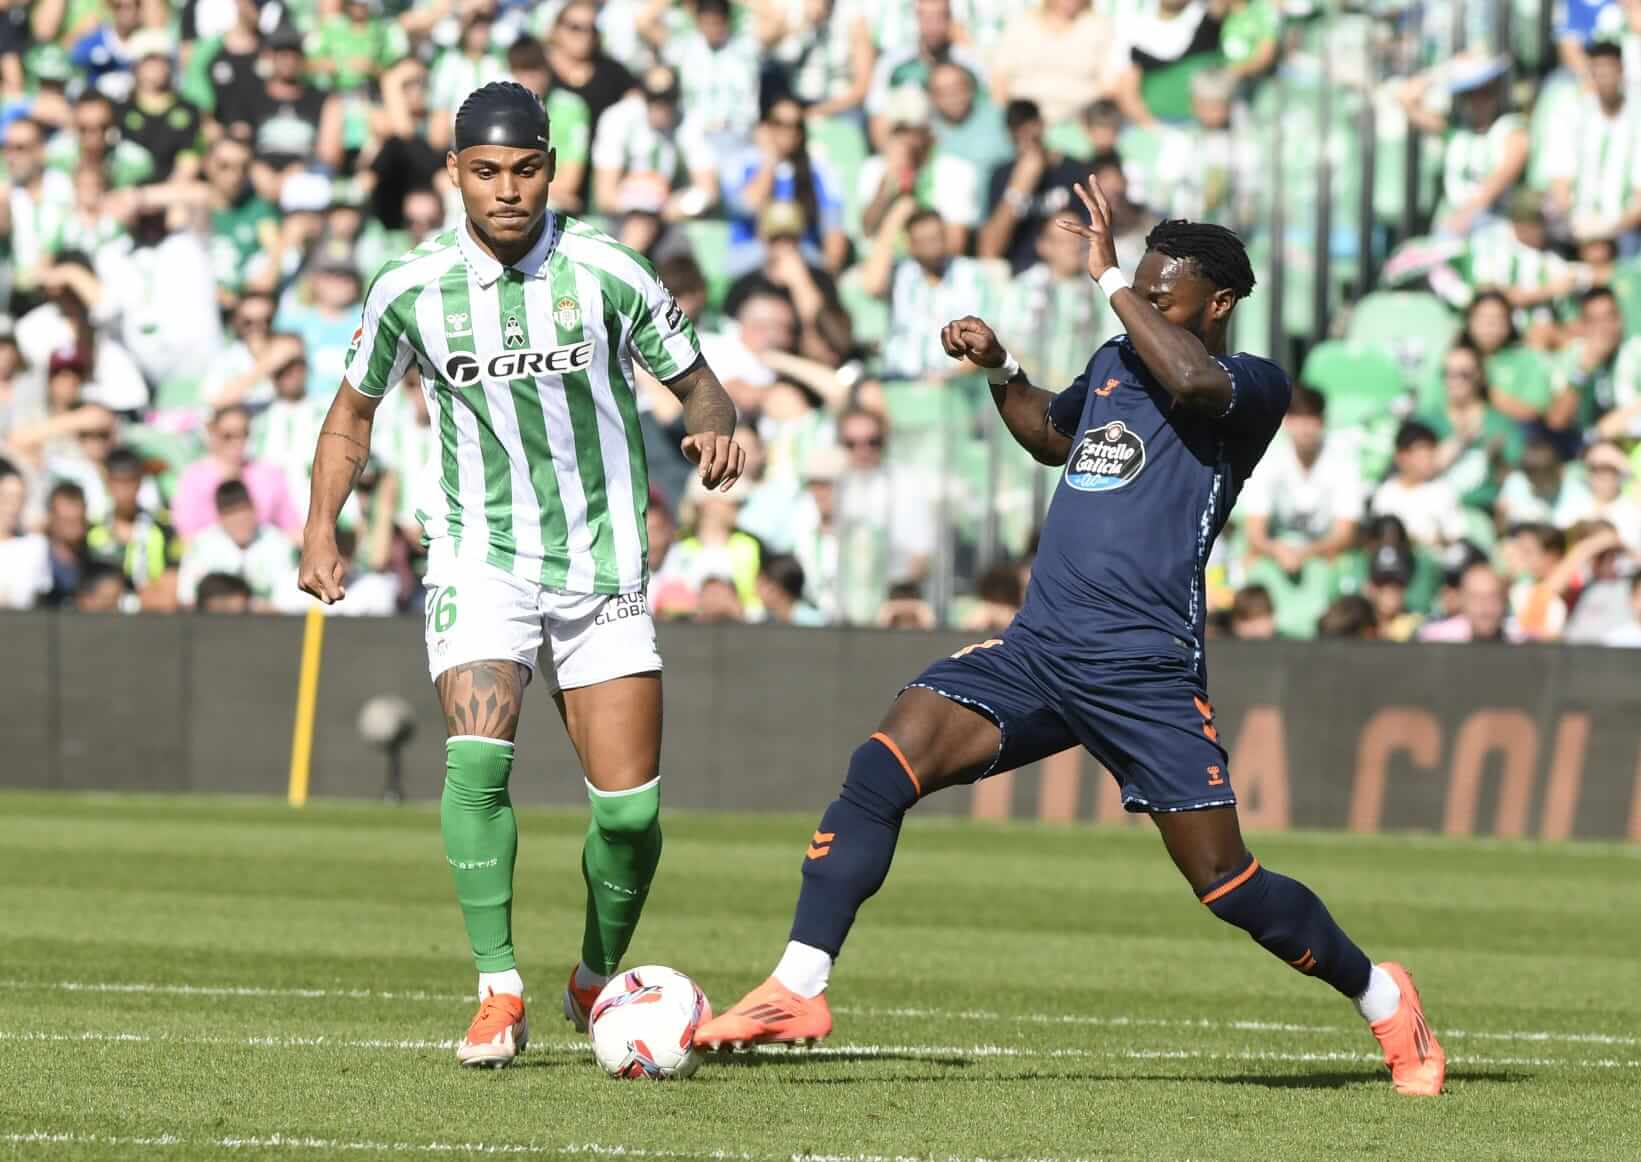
point(482, 698)
point(338, 462)
point(709, 418)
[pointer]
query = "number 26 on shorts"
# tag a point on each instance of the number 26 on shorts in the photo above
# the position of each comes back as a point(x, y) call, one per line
point(441, 609)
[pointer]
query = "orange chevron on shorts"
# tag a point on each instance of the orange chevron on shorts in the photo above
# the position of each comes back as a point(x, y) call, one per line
point(1304, 963)
point(821, 844)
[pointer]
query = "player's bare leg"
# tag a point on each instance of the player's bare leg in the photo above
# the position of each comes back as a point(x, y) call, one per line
point(616, 729)
point(481, 703)
point(1288, 920)
point(926, 743)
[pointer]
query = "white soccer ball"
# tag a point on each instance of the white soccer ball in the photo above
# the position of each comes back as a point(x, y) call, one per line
point(643, 1024)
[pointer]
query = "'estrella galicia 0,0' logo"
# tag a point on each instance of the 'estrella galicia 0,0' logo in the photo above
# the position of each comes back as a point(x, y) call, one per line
point(1107, 457)
point(463, 369)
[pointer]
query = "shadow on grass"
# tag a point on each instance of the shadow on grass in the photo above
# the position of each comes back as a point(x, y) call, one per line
point(1325, 1079)
point(1343, 1079)
point(797, 1058)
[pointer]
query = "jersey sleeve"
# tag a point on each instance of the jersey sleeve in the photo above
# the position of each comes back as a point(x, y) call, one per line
point(1065, 411)
point(381, 351)
point(662, 336)
point(1260, 391)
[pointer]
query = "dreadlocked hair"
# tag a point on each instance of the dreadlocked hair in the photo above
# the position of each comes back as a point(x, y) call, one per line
point(1220, 256)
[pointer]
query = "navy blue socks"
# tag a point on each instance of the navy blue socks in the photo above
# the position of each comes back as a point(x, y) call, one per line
point(850, 853)
point(1288, 920)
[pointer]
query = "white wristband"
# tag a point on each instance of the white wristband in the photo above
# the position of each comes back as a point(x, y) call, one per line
point(1113, 281)
point(998, 376)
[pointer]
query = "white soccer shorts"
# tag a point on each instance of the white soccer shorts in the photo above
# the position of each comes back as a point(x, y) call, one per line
point(477, 612)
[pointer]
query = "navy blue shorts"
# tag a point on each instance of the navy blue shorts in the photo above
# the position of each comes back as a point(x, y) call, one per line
point(1148, 720)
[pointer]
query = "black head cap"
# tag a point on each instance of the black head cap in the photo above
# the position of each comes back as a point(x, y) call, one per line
point(501, 113)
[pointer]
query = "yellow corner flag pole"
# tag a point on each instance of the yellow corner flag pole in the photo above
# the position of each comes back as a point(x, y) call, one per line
point(307, 699)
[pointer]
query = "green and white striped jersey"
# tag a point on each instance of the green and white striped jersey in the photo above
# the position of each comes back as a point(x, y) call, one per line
point(918, 309)
point(1495, 257)
point(1600, 155)
point(1472, 157)
point(529, 380)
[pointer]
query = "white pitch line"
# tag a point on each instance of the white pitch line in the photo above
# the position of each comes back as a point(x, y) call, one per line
point(371, 1146)
point(968, 1052)
point(204, 990)
point(1072, 1019)
point(1207, 1023)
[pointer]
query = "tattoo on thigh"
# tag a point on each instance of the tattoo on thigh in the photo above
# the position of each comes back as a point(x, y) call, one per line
point(482, 698)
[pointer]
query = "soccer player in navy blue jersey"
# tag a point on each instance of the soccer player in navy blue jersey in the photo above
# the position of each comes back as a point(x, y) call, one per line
point(1157, 436)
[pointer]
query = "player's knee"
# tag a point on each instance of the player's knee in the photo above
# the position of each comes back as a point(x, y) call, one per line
point(881, 778)
point(628, 814)
point(476, 771)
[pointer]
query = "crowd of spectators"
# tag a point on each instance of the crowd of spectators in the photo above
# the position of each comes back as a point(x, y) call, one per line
point(196, 196)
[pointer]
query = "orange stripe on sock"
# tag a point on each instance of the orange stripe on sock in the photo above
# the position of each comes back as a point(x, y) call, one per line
point(1227, 888)
point(904, 765)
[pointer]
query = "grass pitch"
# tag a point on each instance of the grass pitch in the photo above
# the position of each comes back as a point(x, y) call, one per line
point(210, 978)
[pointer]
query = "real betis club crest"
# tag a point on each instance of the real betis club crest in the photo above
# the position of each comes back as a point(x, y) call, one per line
point(567, 313)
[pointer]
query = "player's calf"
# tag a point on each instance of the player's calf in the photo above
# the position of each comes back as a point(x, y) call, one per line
point(849, 855)
point(1289, 921)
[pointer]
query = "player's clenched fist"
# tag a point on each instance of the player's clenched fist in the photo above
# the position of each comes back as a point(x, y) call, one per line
point(719, 457)
point(972, 339)
point(321, 571)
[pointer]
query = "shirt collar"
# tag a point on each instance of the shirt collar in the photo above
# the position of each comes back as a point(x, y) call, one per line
point(533, 264)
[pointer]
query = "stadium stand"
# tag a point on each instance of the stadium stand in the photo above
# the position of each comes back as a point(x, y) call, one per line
point(1437, 195)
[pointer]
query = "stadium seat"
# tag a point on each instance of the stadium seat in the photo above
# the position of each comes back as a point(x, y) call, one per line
point(929, 422)
point(1360, 382)
point(869, 314)
point(709, 240)
point(1416, 328)
point(1626, 284)
point(842, 144)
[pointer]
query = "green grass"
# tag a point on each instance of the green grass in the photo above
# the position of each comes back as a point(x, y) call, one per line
point(1013, 992)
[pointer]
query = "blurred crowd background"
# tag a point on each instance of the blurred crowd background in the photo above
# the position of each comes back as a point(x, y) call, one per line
point(1442, 201)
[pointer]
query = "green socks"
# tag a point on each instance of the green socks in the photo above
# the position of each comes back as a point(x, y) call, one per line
point(618, 862)
point(480, 843)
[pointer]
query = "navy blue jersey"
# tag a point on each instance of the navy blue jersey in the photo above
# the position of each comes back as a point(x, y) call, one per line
point(1148, 485)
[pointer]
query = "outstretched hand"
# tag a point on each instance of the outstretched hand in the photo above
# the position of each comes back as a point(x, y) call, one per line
point(1102, 250)
point(972, 339)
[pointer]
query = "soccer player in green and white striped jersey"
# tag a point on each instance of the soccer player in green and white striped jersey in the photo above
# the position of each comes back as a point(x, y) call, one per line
point(523, 325)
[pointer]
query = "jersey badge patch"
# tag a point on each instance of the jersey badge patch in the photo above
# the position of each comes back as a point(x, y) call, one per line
point(1106, 458)
point(567, 313)
point(512, 331)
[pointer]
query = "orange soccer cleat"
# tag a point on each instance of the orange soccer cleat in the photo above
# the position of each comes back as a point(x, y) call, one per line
point(770, 1014)
point(578, 1003)
point(498, 1033)
point(1417, 1063)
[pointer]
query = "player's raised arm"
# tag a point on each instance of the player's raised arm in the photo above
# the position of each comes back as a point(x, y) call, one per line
point(1179, 360)
point(1024, 407)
